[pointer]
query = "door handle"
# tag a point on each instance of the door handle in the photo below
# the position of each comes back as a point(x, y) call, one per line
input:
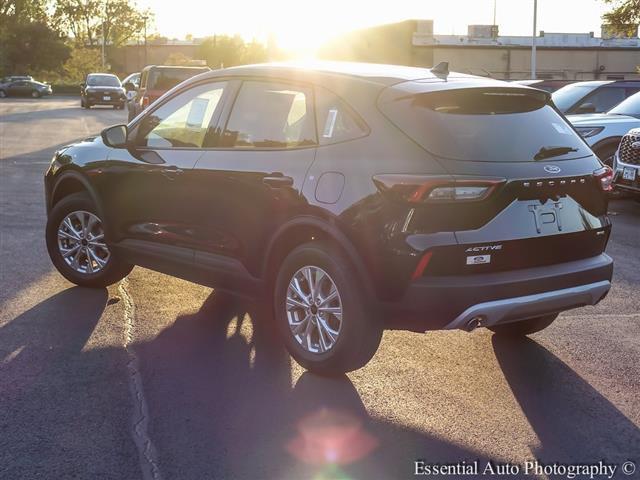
point(171, 172)
point(277, 181)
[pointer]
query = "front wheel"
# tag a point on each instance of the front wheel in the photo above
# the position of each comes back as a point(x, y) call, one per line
point(35, 94)
point(3, 94)
point(326, 319)
point(524, 327)
point(76, 244)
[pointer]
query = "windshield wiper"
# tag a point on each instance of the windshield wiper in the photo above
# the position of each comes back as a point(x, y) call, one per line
point(548, 152)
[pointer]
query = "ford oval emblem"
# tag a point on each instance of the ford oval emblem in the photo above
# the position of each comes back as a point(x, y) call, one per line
point(552, 169)
point(635, 145)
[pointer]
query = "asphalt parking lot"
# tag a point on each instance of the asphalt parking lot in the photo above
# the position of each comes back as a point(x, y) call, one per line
point(160, 378)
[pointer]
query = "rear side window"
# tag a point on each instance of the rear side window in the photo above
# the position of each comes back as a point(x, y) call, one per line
point(270, 115)
point(482, 124)
point(337, 122)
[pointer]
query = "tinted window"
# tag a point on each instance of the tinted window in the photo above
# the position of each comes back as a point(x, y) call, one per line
point(167, 78)
point(605, 98)
point(487, 125)
point(568, 96)
point(271, 115)
point(337, 122)
point(185, 121)
point(103, 81)
point(630, 106)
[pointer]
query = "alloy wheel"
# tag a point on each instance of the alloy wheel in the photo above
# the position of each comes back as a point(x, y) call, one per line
point(81, 242)
point(314, 309)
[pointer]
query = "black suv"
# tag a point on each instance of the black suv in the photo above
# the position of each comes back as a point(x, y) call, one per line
point(102, 89)
point(353, 197)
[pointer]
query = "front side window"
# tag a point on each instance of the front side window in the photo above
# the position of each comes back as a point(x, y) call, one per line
point(185, 121)
point(270, 115)
point(605, 98)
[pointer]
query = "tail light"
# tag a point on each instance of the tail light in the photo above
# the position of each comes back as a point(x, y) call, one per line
point(425, 189)
point(604, 176)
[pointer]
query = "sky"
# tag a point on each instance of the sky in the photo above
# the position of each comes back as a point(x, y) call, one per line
point(303, 25)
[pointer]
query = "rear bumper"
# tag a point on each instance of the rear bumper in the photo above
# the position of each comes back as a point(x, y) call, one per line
point(508, 310)
point(101, 101)
point(445, 302)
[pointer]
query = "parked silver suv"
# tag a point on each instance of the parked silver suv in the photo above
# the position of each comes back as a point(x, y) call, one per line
point(626, 163)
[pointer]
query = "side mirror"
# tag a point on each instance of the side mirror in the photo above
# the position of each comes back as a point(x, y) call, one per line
point(586, 108)
point(115, 137)
point(129, 87)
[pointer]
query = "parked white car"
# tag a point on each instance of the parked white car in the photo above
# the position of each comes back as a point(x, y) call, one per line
point(603, 131)
point(626, 163)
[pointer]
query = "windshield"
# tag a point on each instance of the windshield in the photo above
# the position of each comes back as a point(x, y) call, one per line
point(167, 78)
point(568, 96)
point(630, 106)
point(485, 125)
point(103, 81)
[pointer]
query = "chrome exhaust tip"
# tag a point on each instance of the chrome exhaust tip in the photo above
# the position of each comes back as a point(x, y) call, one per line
point(474, 323)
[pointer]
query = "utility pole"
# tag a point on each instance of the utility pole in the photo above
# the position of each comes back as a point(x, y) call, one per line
point(145, 39)
point(533, 39)
point(104, 56)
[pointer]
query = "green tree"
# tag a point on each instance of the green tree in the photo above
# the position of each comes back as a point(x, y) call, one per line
point(85, 20)
point(227, 51)
point(82, 61)
point(29, 42)
point(623, 12)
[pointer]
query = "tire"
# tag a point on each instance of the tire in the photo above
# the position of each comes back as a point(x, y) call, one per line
point(35, 94)
point(524, 327)
point(3, 94)
point(75, 207)
point(357, 331)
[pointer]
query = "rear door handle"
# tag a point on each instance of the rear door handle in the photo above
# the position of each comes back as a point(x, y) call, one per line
point(278, 181)
point(171, 172)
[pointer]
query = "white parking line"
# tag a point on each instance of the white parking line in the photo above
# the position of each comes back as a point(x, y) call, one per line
point(140, 418)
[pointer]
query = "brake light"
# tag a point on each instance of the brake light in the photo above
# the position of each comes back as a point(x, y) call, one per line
point(421, 189)
point(604, 176)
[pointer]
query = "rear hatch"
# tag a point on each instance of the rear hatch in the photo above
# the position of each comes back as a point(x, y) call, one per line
point(523, 188)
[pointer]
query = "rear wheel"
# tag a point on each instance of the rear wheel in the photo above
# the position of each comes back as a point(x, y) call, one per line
point(524, 327)
point(3, 94)
point(35, 94)
point(76, 244)
point(326, 319)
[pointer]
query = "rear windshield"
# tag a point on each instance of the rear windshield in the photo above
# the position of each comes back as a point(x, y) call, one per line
point(103, 81)
point(167, 78)
point(485, 125)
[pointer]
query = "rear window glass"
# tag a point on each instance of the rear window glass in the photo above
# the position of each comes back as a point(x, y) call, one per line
point(167, 78)
point(103, 81)
point(486, 125)
point(337, 122)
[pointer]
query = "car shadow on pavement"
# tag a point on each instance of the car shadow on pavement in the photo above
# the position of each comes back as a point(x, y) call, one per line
point(574, 422)
point(55, 415)
point(222, 405)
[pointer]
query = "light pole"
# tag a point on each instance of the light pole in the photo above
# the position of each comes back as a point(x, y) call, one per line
point(145, 18)
point(533, 39)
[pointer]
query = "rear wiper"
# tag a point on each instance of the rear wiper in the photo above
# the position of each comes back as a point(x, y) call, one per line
point(548, 152)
